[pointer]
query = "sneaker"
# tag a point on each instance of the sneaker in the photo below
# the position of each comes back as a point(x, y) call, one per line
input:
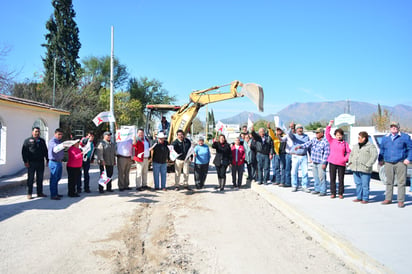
point(306, 190)
point(314, 192)
point(294, 189)
point(322, 194)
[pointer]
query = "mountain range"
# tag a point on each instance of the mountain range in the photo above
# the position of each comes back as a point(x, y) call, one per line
point(305, 113)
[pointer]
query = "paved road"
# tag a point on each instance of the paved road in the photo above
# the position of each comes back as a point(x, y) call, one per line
point(379, 234)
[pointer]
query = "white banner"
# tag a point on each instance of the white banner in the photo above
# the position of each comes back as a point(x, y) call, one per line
point(125, 133)
point(105, 116)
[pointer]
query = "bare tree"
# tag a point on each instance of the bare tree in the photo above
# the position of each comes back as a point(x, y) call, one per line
point(6, 76)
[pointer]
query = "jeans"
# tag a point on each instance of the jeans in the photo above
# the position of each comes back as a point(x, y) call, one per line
point(86, 176)
point(38, 168)
point(200, 174)
point(288, 169)
point(280, 164)
point(237, 171)
point(362, 181)
point(319, 175)
point(55, 176)
point(302, 162)
point(273, 166)
point(159, 169)
point(263, 165)
point(251, 171)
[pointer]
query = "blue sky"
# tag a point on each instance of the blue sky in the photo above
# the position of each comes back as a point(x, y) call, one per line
point(299, 51)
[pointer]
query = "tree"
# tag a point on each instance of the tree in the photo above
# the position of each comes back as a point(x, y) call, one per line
point(315, 125)
point(62, 45)
point(6, 76)
point(148, 92)
point(381, 119)
point(197, 126)
point(97, 69)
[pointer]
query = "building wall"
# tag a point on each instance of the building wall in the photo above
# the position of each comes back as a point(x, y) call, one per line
point(17, 121)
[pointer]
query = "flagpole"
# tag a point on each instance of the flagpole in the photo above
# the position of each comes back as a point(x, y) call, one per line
point(111, 79)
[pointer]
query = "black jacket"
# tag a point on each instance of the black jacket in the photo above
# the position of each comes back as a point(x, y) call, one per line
point(34, 150)
point(265, 147)
point(223, 154)
point(161, 153)
point(182, 147)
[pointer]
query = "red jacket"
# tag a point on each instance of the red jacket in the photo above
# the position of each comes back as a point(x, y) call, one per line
point(139, 148)
point(240, 155)
point(75, 157)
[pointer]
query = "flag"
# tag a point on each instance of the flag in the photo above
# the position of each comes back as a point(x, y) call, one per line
point(105, 116)
point(279, 123)
point(249, 123)
point(125, 134)
point(219, 126)
point(103, 180)
point(190, 152)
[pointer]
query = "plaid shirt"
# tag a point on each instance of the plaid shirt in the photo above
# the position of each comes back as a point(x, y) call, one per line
point(319, 150)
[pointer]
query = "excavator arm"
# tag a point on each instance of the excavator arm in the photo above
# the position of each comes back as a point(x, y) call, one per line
point(184, 117)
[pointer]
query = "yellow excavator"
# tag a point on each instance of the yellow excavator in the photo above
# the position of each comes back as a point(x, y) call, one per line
point(185, 114)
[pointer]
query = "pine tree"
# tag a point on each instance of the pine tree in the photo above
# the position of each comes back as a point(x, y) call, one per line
point(63, 45)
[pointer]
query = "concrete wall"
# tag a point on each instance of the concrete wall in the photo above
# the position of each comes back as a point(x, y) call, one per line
point(17, 121)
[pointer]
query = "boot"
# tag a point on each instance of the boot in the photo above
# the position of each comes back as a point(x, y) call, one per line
point(222, 186)
point(219, 181)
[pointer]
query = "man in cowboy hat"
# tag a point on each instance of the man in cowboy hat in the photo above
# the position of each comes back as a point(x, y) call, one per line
point(160, 156)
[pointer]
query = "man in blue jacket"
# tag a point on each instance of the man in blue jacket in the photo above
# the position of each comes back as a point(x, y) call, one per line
point(396, 153)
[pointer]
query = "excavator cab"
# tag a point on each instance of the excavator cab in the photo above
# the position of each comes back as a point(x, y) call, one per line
point(154, 113)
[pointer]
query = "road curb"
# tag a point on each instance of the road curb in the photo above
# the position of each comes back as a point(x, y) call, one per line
point(342, 248)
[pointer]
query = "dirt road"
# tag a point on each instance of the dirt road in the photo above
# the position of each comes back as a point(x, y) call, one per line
point(155, 232)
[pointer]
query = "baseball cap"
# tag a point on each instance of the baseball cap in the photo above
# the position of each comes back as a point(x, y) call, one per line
point(107, 133)
point(394, 123)
point(319, 130)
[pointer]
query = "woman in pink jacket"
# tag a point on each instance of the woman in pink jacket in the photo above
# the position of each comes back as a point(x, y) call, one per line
point(238, 163)
point(338, 157)
point(74, 165)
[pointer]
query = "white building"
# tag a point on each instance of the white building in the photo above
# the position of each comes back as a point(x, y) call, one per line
point(17, 118)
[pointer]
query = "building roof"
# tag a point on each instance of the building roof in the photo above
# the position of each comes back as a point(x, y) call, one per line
point(30, 103)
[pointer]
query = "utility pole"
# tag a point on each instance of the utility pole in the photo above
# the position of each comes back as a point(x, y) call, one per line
point(54, 80)
point(111, 80)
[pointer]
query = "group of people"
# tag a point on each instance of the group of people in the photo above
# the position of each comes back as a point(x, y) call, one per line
point(287, 152)
point(292, 150)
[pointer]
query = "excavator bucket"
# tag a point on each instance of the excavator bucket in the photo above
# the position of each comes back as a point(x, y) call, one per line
point(255, 93)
